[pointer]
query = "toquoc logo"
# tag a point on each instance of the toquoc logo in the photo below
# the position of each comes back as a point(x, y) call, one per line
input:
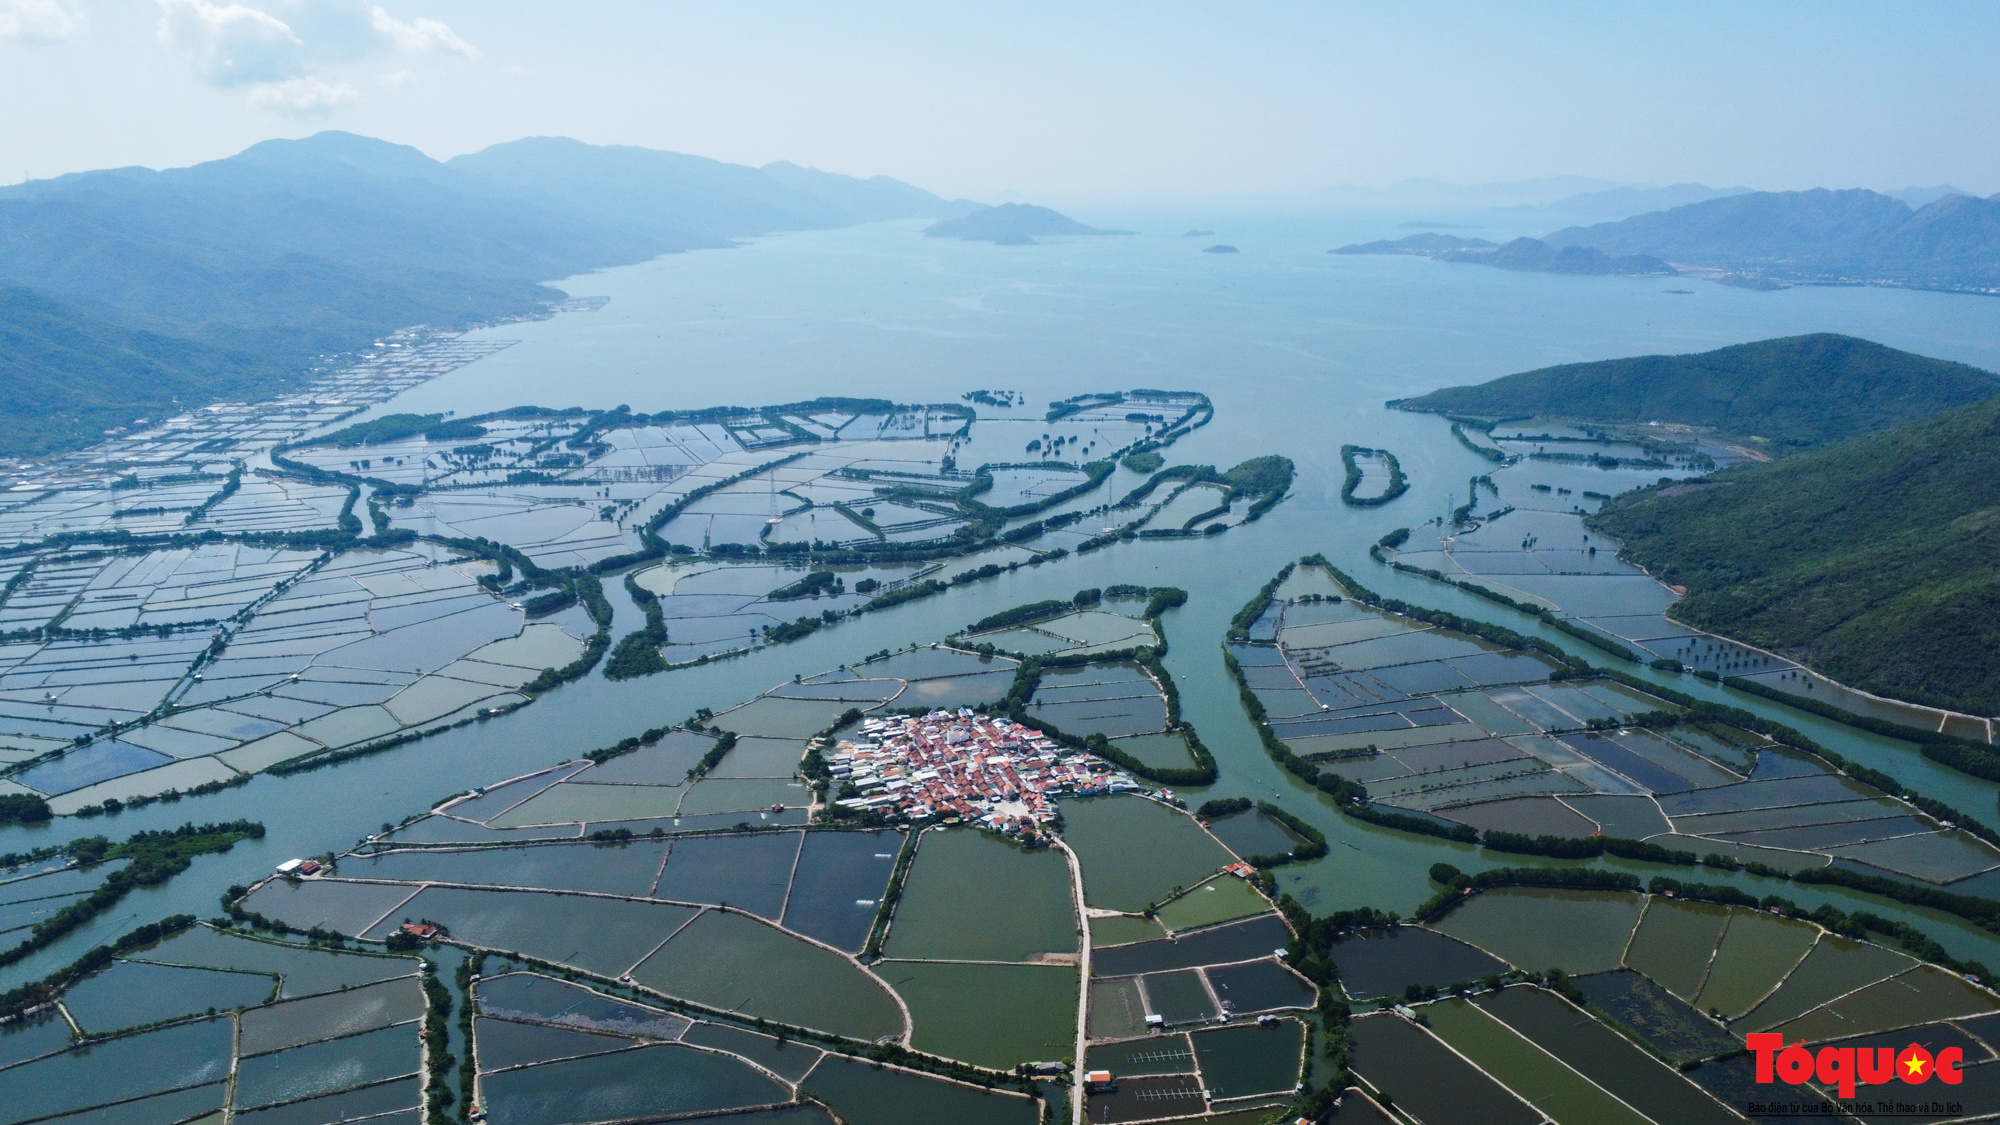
point(1844, 1067)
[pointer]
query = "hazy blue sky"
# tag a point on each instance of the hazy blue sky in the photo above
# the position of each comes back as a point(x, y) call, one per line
point(1062, 101)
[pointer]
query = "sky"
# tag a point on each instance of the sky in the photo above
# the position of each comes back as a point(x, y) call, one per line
point(1160, 100)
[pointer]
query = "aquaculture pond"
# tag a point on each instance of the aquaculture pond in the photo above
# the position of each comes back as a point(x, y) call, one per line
point(996, 1016)
point(208, 1016)
point(1387, 962)
point(1687, 980)
point(232, 658)
point(1445, 724)
point(1254, 833)
point(972, 896)
point(1537, 1076)
point(1137, 853)
point(975, 959)
point(1414, 1069)
point(547, 1047)
point(380, 642)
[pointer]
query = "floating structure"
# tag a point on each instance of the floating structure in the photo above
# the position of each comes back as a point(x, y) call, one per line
point(977, 768)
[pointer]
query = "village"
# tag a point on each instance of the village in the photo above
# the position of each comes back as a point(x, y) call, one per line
point(969, 767)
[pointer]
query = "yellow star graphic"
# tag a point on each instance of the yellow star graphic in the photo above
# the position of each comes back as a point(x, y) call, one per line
point(1915, 1064)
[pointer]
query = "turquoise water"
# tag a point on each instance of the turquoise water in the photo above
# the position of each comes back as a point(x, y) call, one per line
point(1297, 348)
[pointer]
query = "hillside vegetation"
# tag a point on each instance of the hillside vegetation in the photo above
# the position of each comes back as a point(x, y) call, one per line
point(1876, 561)
point(66, 375)
point(1783, 395)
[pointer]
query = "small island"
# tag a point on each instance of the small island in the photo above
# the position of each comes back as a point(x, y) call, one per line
point(1012, 224)
point(1198, 234)
point(1220, 248)
point(1419, 245)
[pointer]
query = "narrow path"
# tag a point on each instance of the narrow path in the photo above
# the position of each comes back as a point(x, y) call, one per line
point(1083, 986)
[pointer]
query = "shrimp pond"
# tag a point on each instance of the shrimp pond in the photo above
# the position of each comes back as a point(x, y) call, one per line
point(563, 707)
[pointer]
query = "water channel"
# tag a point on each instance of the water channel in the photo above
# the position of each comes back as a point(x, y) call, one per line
point(1298, 349)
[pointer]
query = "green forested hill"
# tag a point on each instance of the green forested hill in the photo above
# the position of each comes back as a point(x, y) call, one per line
point(67, 375)
point(1876, 561)
point(1793, 393)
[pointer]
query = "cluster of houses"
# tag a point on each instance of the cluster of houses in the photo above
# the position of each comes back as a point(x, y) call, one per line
point(968, 767)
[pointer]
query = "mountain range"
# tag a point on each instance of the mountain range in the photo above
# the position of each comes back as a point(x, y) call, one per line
point(1564, 199)
point(1441, 193)
point(1853, 236)
point(1763, 239)
point(1617, 202)
point(228, 278)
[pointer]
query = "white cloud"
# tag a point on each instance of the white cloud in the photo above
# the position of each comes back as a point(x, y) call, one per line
point(231, 44)
point(396, 78)
point(39, 21)
point(420, 36)
point(289, 52)
point(303, 97)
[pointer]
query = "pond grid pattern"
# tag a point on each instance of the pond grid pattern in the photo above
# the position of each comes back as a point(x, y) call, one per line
point(1441, 724)
point(207, 1019)
point(145, 672)
point(764, 922)
point(1686, 979)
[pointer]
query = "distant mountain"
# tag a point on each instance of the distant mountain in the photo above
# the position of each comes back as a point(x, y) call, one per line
point(876, 199)
point(1925, 196)
point(1875, 561)
point(1439, 193)
point(1520, 254)
point(1011, 224)
point(296, 247)
point(1782, 395)
point(1853, 236)
point(1623, 202)
point(687, 201)
point(293, 249)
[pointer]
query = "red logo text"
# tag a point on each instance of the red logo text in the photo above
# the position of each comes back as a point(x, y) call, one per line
point(1845, 1067)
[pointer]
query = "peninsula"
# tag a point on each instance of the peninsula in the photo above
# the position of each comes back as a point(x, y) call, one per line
point(1529, 254)
point(1774, 395)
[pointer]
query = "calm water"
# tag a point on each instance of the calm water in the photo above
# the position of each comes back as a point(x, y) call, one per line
point(1298, 349)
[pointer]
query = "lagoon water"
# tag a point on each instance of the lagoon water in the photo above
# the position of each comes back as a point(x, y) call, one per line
point(1298, 349)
